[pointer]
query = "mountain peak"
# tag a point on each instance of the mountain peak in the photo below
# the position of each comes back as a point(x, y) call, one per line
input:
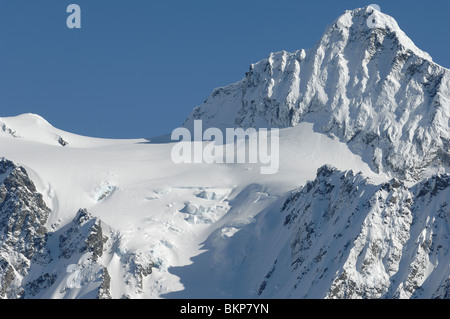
point(364, 83)
point(366, 24)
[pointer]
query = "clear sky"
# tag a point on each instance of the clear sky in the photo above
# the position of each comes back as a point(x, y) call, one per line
point(136, 68)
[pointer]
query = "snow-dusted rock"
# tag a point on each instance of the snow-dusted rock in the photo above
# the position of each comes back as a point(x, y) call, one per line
point(23, 235)
point(352, 239)
point(369, 87)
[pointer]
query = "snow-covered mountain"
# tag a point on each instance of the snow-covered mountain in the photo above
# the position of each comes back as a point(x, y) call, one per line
point(358, 209)
point(370, 87)
point(339, 236)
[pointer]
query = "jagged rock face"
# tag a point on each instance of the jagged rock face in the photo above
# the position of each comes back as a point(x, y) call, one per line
point(82, 243)
point(352, 239)
point(369, 87)
point(83, 235)
point(23, 235)
point(24, 239)
point(105, 288)
point(78, 248)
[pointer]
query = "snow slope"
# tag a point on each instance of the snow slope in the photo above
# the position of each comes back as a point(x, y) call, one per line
point(147, 205)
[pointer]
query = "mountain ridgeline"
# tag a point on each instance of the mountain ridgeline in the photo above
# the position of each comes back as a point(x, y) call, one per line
point(369, 87)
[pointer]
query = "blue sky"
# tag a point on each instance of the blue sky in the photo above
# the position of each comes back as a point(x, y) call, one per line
point(136, 68)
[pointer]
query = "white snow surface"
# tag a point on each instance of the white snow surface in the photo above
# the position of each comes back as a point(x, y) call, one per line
point(153, 205)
